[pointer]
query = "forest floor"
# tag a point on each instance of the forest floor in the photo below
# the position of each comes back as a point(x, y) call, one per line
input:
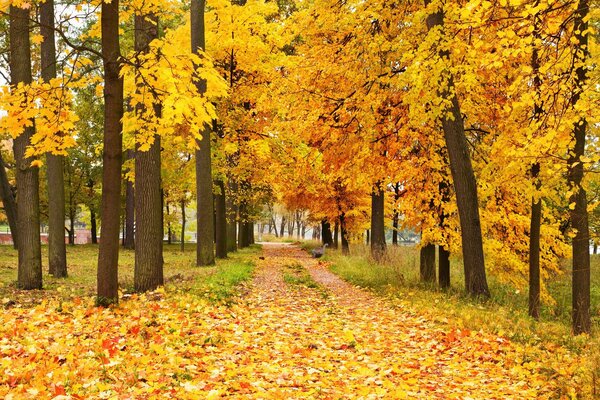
point(295, 331)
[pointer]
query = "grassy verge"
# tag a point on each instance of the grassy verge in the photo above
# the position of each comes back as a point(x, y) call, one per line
point(180, 273)
point(505, 314)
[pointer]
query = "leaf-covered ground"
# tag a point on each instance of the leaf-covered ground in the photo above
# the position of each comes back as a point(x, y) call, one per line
point(298, 332)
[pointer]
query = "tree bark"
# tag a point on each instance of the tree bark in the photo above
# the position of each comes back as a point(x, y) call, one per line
point(231, 218)
point(129, 237)
point(282, 230)
point(221, 226)
point(205, 254)
point(29, 274)
point(427, 263)
point(10, 205)
point(396, 217)
point(444, 267)
point(182, 240)
point(368, 234)
point(57, 251)
point(243, 237)
point(108, 255)
point(326, 232)
point(336, 232)
point(148, 271)
point(464, 179)
point(579, 215)
point(378, 246)
point(344, 234)
point(94, 226)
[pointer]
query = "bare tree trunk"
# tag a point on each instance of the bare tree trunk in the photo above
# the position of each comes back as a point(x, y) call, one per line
point(205, 254)
point(579, 215)
point(221, 225)
point(129, 237)
point(463, 177)
point(94, 228)
point(336, 234)
point(108, 255)
point(344, 234)
point(29, 274)
point(148, 272)
point(182, 248)
point(10, 206)
point(396, 217)
point(378, 246)
point(57, 252)
point(326, 232)
point(232, 217)
point(427, 263)
point(282, 230)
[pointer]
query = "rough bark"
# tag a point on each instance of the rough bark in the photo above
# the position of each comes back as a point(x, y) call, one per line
point(579, 215)
point(129, 237)
point(148, 271)
point(464, 178)
point(57, 251)
point(378, 246)
point(221, 226)
point(205, 254)
point(29, 275)
point(427, 263)
point(282, 230)
point(243, 237)
point(108, 256)
point(10, 205)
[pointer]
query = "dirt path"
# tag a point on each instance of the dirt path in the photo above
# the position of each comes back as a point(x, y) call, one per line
point(339, 341)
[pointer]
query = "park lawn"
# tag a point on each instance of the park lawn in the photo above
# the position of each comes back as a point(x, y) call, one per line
point(218, 283)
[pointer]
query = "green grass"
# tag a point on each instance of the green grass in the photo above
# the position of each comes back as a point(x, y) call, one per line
point(217, 282)
point(296, 274)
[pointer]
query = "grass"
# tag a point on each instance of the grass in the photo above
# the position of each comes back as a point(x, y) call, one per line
point(218, 283)
point(296, 274)
point(505, 314)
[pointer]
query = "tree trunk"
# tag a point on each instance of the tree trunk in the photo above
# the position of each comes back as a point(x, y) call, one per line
point(94, 227)
point(579, 215)
point(464, 179)
point(368, 233)
point(148, 271)
point(231, 218)
point(396, 217)
point(282, 230)
point(291, 222)
point(344, 234)
point(29, 274)
point(378, 246)
point(129, 237)
point(326, 232)
point(336, 233)
point(169, 233)
point(444, 267)
point(221, 226)
point(182, 240)
point(427, 263)
point(108, 255)
point(10, 206)
point(205, 254)
point(57, 251)
point(243, 237)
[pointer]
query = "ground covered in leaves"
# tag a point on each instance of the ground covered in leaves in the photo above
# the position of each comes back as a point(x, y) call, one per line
point(298, 331)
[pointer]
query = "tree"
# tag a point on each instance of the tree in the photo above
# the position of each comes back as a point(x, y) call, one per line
point(377, 222)
point(108, 257)
point(579, 213)
point(462, 172)
point(28, 214)
point(148, 274)
point(57, 252)
point(205, 209)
